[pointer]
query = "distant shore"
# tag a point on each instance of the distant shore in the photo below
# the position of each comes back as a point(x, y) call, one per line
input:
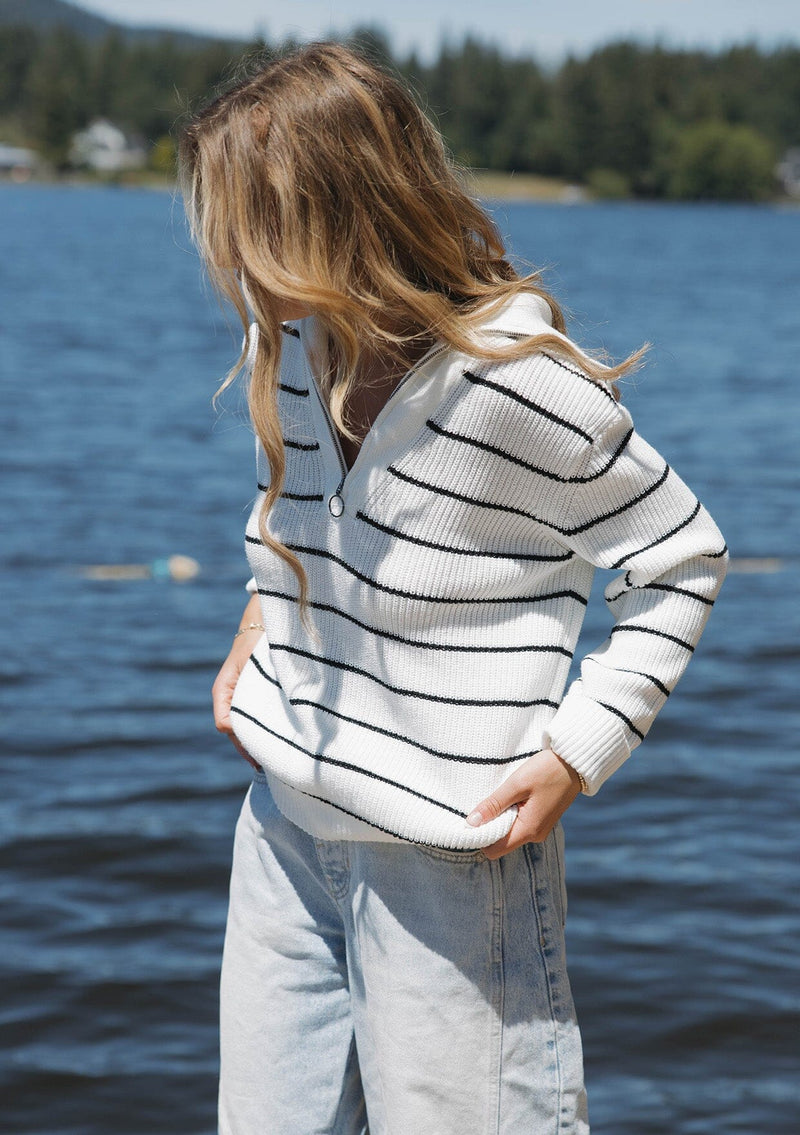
point(498, 185)
point(505, 186)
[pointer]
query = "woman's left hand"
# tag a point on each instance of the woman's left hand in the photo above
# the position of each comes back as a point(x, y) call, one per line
point(542, 788)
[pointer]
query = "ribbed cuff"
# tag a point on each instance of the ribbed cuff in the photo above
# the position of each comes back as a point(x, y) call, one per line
point(588, 738)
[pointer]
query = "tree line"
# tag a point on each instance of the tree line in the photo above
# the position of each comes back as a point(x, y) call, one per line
point(626, 120)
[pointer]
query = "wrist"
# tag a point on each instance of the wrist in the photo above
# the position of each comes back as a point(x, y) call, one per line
point(578, 777)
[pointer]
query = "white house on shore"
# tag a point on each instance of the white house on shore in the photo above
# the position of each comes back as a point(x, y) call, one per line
point(789, 172)
point(102, 146)
point(16, 162)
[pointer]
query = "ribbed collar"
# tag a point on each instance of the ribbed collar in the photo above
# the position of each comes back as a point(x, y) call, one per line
point(524, 314)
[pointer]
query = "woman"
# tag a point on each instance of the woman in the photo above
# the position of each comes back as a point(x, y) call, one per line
point(440, 470)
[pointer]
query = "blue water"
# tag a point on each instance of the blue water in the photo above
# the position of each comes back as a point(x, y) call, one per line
point(117, 798)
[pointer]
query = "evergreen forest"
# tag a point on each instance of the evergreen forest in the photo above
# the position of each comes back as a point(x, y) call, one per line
point(627, 120)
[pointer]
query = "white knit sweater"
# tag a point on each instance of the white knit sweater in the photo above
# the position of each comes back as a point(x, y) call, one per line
point(448, 576)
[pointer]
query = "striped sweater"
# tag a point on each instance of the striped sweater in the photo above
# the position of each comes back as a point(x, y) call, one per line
point(448, 575)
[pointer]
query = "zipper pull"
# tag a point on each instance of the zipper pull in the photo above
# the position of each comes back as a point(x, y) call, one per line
point(336, 501)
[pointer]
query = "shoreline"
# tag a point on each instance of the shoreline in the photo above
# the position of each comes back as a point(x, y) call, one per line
point(493, 185)
point(502, 185)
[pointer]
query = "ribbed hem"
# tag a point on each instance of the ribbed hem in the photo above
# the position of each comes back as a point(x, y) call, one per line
point(319, 819)
point(588, 738)
point(326, 821)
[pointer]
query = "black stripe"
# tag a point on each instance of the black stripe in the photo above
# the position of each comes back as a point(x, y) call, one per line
point(461, 496)
point(716, 555)
point(536, 648)
point(676, 591)
point(622, 717)
point(452, 436)
point(335, 762)
point(478, 381)
point(299, 391)
point(381, 828)
point(289, 330)
point(263, 672)
point(654, 543)
point(322, 553)
point(288, 496)
point(529, 515)
point(306, 447)
point(355, 815)
point(364, 820)
point(598, 384)
point(339, 665)
point(665, 690)
point(458, 757)
point(622, 508)
point(462, 551)
point(625, 628)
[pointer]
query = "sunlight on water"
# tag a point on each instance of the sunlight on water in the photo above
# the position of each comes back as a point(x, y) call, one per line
point(118, 799)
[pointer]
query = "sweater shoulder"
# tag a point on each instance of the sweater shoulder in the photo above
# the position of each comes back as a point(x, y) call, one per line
point(564, 404)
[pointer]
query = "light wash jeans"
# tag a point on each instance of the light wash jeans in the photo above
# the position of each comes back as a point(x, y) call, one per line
point(395, 989)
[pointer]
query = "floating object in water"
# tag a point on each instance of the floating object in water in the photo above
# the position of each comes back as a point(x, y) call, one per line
point(179, 568)
point(183, 568)
point(755, 564)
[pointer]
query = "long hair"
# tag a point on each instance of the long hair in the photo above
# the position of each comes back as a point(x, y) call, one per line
point(319, 181)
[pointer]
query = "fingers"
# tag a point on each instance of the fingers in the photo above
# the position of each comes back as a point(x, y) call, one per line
point(244, 753)
point(529, 827)
point(222, 694)
point(542, 788)
point(503, 846)
point(229, 733)
point(512, 791)
point(221, 697)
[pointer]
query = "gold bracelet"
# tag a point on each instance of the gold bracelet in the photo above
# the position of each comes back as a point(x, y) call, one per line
point(249, 627)
point(581, 777)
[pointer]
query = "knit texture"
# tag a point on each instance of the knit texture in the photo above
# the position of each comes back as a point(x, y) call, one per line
point(448, 577)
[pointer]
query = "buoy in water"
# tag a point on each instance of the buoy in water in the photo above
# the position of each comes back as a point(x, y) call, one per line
point(179, 568)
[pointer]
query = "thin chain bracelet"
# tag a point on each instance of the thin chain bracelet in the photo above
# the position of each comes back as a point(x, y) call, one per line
point(249, 627)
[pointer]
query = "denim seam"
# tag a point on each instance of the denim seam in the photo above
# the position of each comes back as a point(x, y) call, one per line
point(555, 853)
point(450, 855)
point(337, 892)
point(498, 983)
point(543, 950)
point(368, 1027)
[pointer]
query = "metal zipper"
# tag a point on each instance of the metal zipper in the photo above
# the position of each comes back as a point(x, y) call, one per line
point(336, 501)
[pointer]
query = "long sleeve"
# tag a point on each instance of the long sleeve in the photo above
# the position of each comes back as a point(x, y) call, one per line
point(448, 592)
point(629, 510)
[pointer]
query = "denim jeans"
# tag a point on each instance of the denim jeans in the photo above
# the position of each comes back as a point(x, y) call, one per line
point(394, 988)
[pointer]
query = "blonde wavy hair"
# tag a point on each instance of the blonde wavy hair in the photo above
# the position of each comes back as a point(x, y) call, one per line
point(317, 180)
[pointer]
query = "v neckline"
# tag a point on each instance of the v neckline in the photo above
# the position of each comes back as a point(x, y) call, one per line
point(313, 340)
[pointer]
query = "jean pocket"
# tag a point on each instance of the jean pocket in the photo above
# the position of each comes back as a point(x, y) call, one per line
point(452, 854)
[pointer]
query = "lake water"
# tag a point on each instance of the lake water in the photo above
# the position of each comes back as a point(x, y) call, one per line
point(118, 799)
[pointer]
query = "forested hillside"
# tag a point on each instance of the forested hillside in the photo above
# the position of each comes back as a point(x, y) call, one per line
point(628, 119)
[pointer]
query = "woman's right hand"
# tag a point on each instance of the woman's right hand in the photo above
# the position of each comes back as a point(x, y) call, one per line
point(228, 676)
